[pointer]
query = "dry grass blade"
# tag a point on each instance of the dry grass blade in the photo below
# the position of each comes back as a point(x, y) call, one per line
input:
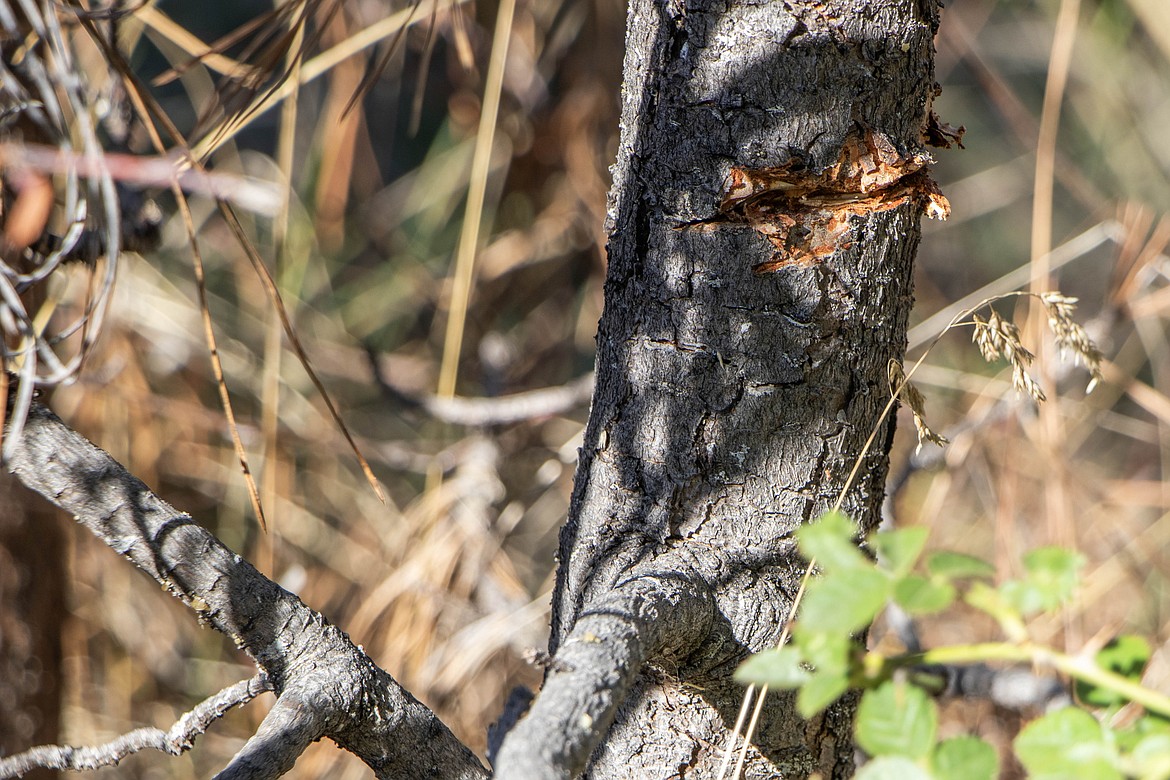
point(145, 107)
point(216, 363)
point(240, 98)
point(421, 82)
point(200, 52)
point(278, 302)
point(1051, 431)
point(1155, 21)
point(477, 185)
point(313, 69)
point(270, 374)
point(375, 71)
point(1137, 263)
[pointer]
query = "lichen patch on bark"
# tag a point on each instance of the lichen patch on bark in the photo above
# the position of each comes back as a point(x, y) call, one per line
point(808, 216)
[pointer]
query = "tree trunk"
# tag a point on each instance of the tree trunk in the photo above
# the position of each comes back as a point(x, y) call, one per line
point(763, 223)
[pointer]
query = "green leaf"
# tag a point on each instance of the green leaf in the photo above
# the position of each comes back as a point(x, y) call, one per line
point(897, 719)
point(1124, 655)
point(923, 596)
point(1068, 744)
point(1145, 726)
point(781, 667)
point(845, 601)
point(956, 566)
point(1025, 598)
point(1053, 576)
point(892, 768)
point(1151, 758)
point(899, 550)
point(822, 689)
point(830, 542)
point(987, 599)
point(965, 758)
point(827, 652)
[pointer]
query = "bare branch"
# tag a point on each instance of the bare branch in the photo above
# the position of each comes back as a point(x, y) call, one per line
point(651, 617)
point(501, 410)
point(332, 680)
point(288, 728)
point(179, 739)
point(248, 192)
point(517, 407)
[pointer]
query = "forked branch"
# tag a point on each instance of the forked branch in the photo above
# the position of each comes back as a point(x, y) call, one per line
point(327, 686)
point(647, 618)
point(175, 741)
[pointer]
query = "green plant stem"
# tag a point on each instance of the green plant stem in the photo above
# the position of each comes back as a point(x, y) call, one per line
point(1077, 667)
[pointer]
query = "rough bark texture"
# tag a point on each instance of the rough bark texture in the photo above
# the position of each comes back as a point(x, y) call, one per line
point(730, 406)
point(327, 686)
point(729, 409)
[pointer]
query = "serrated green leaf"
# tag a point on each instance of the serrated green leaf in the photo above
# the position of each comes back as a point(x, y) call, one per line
point(965, 758)
point(1150, 759)
point(899, 550)
point(780, 667)
point(1068, 744)
point(819, 692)
point(845, 601)
point(923, 596)
point(830, 542)
point(957, 566)
point(897, 719)
point(1124, 655)
point(892, 768)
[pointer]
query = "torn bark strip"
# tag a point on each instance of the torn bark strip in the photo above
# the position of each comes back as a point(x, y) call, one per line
point(807, 216)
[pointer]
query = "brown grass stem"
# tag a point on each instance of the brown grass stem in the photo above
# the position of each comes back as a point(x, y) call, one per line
point(477, 185)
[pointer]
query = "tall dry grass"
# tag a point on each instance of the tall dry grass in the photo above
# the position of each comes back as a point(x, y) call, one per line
point(446, 583)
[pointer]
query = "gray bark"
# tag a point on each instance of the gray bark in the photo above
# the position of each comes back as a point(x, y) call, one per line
point(729, 409)
point(327, 686)
point(730, 405)
point(179, 738)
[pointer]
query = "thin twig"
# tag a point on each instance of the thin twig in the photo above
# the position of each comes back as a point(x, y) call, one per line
point(175, 741)
point(479, 412)
point(159, 171)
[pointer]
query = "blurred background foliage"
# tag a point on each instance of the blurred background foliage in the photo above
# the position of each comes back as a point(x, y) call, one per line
point(447, 584)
